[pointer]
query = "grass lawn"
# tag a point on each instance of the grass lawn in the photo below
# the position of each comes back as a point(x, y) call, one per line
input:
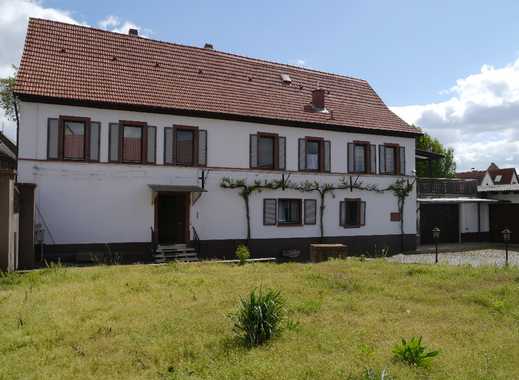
point(171, 321)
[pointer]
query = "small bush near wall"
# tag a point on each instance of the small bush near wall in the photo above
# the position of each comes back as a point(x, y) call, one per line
point(242, 253)
point(259, 317)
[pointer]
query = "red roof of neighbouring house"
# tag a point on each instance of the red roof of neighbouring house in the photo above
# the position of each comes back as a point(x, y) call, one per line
point(506, 176)
point(473, 174)
point(81, 65)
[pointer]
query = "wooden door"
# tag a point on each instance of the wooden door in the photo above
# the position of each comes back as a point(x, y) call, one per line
point(443, 216)
point(172, 218)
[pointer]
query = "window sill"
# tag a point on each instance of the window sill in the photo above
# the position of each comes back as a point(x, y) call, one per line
point(289, 225)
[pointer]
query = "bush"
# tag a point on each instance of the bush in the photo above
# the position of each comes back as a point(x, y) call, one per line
point(259, 317)
point(413, 353)
point(242, 253)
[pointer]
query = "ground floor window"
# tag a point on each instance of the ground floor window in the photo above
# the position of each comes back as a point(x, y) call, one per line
point(352, 213)
point(289, 212)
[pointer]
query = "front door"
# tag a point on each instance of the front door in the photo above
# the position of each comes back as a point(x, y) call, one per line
point(172, 217)
point(443, 216)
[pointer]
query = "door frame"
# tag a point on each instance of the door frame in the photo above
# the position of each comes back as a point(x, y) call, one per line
point(187, 211)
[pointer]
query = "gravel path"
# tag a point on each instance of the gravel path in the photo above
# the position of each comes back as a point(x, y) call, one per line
point(474, 258)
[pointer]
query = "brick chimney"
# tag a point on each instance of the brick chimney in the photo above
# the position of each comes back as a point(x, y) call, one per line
point(133, 32)
point(318, 98)
point(208, 46)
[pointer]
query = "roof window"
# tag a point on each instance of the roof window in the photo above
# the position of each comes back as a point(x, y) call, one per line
point(286, 78)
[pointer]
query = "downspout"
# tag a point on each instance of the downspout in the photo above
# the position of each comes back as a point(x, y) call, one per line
point(17, 135)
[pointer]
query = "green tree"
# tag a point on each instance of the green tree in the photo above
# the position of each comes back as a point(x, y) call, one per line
point(444, 168)
point(8, 101)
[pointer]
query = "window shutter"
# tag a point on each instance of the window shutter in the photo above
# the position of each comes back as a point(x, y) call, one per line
point(53, 139)
point(310, 211)
point(402, 160)
point(373, 159)
point(168, 146)
point(342, 213)
point(151, 151)
point(362, 220)
point(382, 159)
point(114, 142)
point(253, 148)
point(351, 167)
point(269, 212)
point(327, 155)
point(282, 146)
point(202, 147)
point(302, 154)
point(95, 133)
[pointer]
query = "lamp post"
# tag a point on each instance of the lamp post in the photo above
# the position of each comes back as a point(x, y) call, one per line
point(506, 238)
point(436, 237)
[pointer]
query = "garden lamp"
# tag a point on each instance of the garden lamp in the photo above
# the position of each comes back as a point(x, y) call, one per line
point(436, 237)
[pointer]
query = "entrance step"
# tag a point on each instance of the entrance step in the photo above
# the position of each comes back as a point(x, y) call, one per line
point(178, 252)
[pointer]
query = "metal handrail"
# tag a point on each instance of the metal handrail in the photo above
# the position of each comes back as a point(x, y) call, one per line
point(196, 239)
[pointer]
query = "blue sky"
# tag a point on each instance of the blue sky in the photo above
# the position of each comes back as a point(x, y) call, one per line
point(408, 50)
point(450, 67)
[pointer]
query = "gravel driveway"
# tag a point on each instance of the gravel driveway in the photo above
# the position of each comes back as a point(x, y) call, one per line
point(474, 258)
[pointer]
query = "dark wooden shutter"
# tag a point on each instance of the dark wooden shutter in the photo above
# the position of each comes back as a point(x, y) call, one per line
point(151, 144)
point(114, 142)
point(168, 146)
point(372, 159)
point(302, 154)
point(351, 149)
point(282, 151)
point(362, 208)
point(202, 147)
point(310, 211)
point(269, 212)
point(381, 159)
point(95, 138)
point(342, 213)
point(401, 157)
point(53, 139)
point(253, 151)
point(327, 146)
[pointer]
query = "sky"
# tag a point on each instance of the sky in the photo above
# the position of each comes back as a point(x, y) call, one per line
point(449, 67)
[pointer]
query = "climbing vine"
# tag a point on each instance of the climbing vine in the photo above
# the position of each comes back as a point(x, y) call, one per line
point(401, 190)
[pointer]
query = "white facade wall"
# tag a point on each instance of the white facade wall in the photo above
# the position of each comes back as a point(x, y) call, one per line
point(111, 202)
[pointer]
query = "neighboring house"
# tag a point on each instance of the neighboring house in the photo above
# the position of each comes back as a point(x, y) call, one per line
point(8, 206)
point(128, 140)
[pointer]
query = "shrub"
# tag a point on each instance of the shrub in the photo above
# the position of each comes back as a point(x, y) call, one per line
point(413, 352)
point(242, 253)
point(259, 317)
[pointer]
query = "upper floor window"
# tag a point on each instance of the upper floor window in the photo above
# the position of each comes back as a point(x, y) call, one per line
point(361, 157)
point(314, 154)
point(267, 151)
point(392, 159)
point(73, 138)
point(185, 145)
point(132, 142)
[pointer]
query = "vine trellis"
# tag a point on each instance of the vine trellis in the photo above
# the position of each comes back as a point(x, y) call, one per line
point(401, 189)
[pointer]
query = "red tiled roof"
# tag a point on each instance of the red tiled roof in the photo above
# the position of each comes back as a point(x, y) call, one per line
point(506, 176)
point(474, 174)
point(81, 64)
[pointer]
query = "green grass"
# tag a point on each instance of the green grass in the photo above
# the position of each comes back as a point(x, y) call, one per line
point(171, 322)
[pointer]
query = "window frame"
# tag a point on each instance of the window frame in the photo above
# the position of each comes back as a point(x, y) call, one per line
point(300, 213)
point(275, 150)
point(359, 202)
point(367, 157)
point(61, 119)
point(194, 148)
point(144, 142)
point(320, 155)
point(396, 159)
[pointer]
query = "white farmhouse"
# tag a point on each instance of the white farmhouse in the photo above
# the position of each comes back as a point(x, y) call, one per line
point(128, 139)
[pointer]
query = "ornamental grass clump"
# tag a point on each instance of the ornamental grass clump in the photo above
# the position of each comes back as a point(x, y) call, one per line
point(414, 353)
point(242, 253)
point(259, 317)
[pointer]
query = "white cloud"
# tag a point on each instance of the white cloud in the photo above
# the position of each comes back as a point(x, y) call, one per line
point(480, 120)
point(114, 24)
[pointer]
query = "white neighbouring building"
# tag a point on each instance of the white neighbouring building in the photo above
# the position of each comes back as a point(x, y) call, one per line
point(127, 140)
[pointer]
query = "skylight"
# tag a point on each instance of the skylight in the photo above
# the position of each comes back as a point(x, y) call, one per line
point(498, 178)
point(286, 78)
